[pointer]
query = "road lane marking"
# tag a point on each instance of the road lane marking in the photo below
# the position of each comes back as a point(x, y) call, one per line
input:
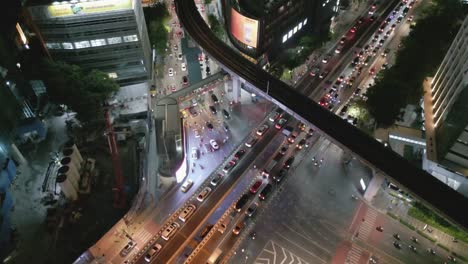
point(292, 242)
point(310, 240)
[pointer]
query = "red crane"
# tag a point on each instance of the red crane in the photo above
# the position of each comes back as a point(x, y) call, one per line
point(118, 189)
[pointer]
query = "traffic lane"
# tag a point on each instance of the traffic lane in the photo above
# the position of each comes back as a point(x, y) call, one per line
point(254, 174)
point(178, 240)
point(301, 211)
point(384, 242)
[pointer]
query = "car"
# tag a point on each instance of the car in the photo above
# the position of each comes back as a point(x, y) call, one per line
point(397, 245)
point(338, 49)
point(205, 230)
point(262, 129)
point(280, 123)
point(239, 154)
point(372, 9)
point(208, 71)
point(197, 133)
point(301, 126)
point(360, 20)
point(278, 177)
point(372, 71)
point(241, 202)
point(203, 194)
point(251, 141)
point(315, 71)
point(209, 125)
point(254, 188)
point(186, 186)
point(173, 88)
point(385, 66)
point(200, 57)
point(381, 42)
point(213, 110)
point(229, 166)
point(301, 144)
point(187, 212)
point(275, 115)
point(326, 59)
point(292, 137)
point(169, 231)
point(154, 250)
point(413, 248)
point(410, 18)
point(310, 132)
point(385, 52)
point(357, 92)
point(342, 40)
point(399, 19)
point(375, 51)
point(225, 127)
point(176, 47)
point(382, 28)
point(379, 228)
point(179, 56)
point(184, 80)
point(368, 59)
point(353, 29)
point(264, 193)
point(128, 247)
point(226, 114)
point(171, 72)
point(216, 179)
point(323, 74)
point(289, 162)
point(194, 153)
point(283, 150)
point(238, 228)
point(372, 18)
point(251, 210)
point(214, 98)
point(214, 144)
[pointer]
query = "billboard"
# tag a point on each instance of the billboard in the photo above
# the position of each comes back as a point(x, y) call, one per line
point(83, 8)
point(244, 29)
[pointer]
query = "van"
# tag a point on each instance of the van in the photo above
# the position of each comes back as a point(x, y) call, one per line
point(266, 171)
point(170, 231)
point(222, 227)
point(187, 212)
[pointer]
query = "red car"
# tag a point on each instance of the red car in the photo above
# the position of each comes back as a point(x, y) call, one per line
point(255, 187)
point(372, 71)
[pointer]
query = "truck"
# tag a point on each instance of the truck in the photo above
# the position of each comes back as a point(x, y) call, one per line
point(215, 257)
point(266, 171)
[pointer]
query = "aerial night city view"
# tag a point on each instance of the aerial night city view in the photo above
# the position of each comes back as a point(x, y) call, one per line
point(234, 131)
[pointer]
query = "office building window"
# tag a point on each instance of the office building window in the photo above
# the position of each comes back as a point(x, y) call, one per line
point(305, 21)
point(114, 40)
point(53, 45)
point(82, 44)
point(112, 75)
point(290, 33)
point(98, 42)
point(130, 38)
point(285, 37)
point(300, 26)
point(67, 45)
point(295, 30)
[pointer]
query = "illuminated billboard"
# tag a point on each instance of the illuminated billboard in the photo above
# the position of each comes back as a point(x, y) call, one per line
point(244, 29)
point(83, 8)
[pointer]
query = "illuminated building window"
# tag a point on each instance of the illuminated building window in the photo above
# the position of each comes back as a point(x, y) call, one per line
point(130, 38)
point(98, 42)
point(53, 45)
point(67, 45)
point(295, 30)
point(305, 21)
point(300, 25)
point(114, 40)
point(285, 37)
point(290, 33)
point(82, 44)
point(112, 75)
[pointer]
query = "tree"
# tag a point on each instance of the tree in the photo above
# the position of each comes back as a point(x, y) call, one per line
point(83, 91)
point(216, 27)
point(207, 2)
point(157, 18)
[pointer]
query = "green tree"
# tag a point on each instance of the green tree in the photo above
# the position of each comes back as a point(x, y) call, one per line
point(83, 91)
point(216, 27)
point(207, 2)
point(157, 17)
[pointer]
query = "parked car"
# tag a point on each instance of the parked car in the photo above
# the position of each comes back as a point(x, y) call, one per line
point(214, 144)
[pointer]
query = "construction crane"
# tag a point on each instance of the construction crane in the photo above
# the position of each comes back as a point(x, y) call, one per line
point(118, 189)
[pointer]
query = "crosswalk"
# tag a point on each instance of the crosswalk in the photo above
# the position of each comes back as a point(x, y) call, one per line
point(367, 226)
point(354, 255)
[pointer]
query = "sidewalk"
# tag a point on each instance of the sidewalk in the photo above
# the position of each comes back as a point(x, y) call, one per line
point(344, 20)
point(387, 203)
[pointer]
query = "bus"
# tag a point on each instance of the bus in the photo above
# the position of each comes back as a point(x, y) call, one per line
point(215, 257)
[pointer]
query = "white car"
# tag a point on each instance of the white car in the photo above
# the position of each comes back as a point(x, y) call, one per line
point(194, 153)
point(214, 144)
point(171, 72)
point(186, 186)
point(203, 194)
point(261, 130)
point(183, 67)
point(152, 252)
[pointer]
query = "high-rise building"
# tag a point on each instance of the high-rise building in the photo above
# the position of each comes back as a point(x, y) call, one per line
point(260, 29)
point(108, 35)
point(446, 108)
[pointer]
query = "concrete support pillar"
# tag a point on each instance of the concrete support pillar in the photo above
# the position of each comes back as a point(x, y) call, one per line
point(16, 155)
point(236, 89)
